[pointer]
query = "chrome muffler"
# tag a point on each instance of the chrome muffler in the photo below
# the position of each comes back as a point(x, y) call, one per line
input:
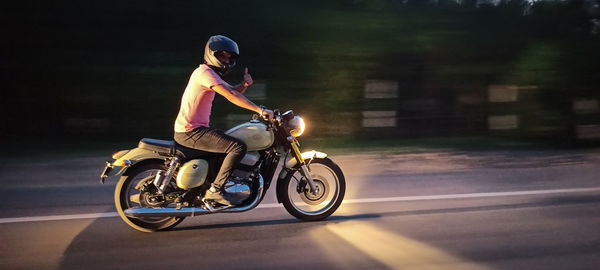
point(165, 212)
point(137, 212)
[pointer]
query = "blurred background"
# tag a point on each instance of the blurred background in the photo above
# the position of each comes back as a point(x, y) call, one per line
point(356, 70)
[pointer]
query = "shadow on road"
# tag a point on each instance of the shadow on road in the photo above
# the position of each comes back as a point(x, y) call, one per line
point(107, 243)
point(275, 222)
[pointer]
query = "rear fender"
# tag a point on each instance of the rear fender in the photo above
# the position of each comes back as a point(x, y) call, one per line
point(133, 157)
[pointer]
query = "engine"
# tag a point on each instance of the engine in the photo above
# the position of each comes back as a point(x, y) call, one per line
point(194, 172)
point(239, 185)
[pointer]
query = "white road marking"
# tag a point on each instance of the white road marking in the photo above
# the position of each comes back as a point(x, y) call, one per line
point(474, 195)
point(348, 201)
point(58, 217)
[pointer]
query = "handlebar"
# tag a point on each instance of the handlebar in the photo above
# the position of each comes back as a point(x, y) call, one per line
point(278, 118)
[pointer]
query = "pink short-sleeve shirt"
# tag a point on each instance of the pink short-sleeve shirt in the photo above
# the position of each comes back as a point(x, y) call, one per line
point(196, 103)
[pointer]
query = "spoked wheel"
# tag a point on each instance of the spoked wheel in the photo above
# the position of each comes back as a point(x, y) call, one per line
point(303, 204)
point(127, 196)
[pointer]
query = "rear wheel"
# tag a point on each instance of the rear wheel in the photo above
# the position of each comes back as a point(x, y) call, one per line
point(127, 196)
point(305, 205)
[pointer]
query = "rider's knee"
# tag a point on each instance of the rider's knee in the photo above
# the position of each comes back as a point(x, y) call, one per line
point(240, 147)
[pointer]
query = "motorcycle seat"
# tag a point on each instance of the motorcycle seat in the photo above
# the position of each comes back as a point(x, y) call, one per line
point(172, 148)
point(160, 146)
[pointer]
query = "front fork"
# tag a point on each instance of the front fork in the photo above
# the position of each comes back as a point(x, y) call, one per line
point(304, 170)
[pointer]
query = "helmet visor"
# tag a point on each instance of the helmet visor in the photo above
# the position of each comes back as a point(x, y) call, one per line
point(221, 43)
point(227, 58)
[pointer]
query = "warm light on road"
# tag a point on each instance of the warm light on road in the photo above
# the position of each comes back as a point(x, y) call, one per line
point(393, 250)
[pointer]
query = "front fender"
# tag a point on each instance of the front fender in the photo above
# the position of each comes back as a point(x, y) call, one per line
point(307, 156)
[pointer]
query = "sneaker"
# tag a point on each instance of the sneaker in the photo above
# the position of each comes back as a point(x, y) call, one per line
point(217, 196)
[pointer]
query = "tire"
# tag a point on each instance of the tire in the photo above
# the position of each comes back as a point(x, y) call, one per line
point(309, 207)
point(123, 194)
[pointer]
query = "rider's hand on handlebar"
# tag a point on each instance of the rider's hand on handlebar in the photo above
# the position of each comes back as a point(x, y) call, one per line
point(268, 114)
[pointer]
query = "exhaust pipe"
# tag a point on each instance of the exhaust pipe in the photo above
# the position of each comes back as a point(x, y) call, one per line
point(138, 212)
point(165, 212)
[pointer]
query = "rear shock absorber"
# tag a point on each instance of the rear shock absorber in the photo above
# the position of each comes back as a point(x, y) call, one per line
point(161, 181)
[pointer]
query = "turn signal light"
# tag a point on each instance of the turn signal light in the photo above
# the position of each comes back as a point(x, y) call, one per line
point(122, 163)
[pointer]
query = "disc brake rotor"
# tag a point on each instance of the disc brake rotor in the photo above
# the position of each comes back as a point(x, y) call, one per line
point(315, 199)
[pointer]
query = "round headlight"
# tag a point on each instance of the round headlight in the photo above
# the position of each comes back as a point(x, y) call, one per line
point(296, 126)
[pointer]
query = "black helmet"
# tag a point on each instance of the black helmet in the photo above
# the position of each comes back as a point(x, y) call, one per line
point(216, 45)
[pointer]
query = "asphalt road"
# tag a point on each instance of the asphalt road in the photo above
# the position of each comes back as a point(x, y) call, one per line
point(443, 210)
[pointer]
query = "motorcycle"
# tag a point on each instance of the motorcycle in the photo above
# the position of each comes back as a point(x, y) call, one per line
point(162, 182)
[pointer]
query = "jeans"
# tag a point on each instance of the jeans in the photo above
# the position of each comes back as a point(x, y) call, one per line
point(215, 141)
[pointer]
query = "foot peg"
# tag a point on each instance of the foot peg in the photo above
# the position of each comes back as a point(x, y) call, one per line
point(210, 208)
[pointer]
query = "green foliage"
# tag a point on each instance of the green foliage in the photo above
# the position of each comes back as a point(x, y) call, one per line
point(129, 62)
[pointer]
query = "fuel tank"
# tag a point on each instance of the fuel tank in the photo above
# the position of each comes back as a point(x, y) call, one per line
point(255, 135)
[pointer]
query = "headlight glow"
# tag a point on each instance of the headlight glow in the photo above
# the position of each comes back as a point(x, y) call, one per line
point(297, 126)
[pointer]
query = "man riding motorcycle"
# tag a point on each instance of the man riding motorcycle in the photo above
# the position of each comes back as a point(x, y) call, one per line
point(192, 128)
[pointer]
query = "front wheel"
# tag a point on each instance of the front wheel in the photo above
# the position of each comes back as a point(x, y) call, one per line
point(127, 196)
point(305, 205)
